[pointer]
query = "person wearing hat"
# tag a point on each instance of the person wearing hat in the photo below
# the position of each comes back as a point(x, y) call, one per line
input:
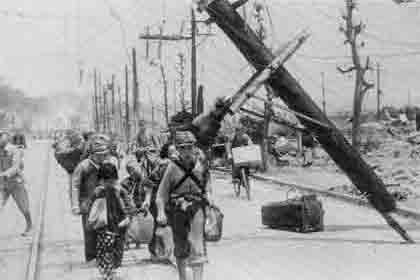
point(132, 183)
point(84, 182)
point(12, 182)
point(148, 158)
point(181, 199)
point(151, 183)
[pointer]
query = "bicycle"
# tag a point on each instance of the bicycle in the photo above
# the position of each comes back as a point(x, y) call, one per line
point(243, 181)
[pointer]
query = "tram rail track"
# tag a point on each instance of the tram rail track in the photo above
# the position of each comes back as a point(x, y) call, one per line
point(32, 269)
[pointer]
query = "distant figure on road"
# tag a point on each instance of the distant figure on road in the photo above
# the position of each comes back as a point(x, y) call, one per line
point(19, 140)
point(241, 138)
point(181, 199)
point(84, 181)
point(12, 181)
point(309, 144)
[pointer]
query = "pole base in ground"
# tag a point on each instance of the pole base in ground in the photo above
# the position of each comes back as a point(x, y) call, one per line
point(392, 222)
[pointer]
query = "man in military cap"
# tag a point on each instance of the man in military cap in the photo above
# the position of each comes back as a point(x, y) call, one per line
point(84, 182)
point(11, 178)
point(182, 196)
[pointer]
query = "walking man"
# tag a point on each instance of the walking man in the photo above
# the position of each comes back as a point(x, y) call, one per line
point(181, 199)
point(84, 182)
point(11, 178)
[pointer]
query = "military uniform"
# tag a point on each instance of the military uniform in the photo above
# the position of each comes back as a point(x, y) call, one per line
point(13, 183)
point(185, 210)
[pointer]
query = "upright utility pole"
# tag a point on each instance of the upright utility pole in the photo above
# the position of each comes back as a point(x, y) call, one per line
point(120, 114)
point(153, 106)
point(104, 103)
point(113, 119)
point(165, 92)
point(136, 114)
point(180, 37)
point(159, 54)
point(175, 97)
point(127, 109)
point(324, 103)
point(95, 85)
point(409, 98)
point(181, 72)
point(147, 43)
point(378, 91)
point(193, 64)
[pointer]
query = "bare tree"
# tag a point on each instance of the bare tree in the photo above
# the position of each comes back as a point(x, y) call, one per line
point(351, 32)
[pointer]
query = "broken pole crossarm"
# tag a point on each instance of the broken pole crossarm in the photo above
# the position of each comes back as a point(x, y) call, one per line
point(288, 89)
point(239, 3)
point(314, 121)
point(250, 88)
point(273, 118)
point(159, 37)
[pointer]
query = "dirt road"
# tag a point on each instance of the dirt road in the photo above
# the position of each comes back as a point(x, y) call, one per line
point(356, 243)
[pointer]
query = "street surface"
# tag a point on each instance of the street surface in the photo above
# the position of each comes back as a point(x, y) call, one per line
point(356, 243)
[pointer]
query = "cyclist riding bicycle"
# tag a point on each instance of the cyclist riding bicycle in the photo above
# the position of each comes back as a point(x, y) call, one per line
point(239, 139)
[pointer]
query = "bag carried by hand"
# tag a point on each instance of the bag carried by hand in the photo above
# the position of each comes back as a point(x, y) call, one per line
point(214, 224)
point(140, 229)
point(162, 246)
point(98, 215)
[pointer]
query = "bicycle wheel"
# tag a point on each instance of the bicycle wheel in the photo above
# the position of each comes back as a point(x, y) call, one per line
point(245, 183)
point(237, 187)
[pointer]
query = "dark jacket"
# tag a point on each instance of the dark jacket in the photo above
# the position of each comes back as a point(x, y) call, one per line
point(84, 182)
point(119, 204)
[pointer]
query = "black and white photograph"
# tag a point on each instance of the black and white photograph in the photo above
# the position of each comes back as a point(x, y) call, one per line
point(209, 139)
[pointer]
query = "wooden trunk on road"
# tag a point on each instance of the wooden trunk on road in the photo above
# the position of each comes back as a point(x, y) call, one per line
point(289, 90)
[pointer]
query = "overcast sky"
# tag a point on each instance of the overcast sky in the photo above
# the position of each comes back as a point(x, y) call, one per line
point(45, 42)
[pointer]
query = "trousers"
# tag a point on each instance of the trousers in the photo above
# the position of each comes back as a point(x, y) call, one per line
point(90, 239)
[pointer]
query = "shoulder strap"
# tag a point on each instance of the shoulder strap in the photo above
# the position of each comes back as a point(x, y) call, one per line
point(187, 174)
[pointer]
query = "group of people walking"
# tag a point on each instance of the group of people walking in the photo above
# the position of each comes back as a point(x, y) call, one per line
point(171, 184)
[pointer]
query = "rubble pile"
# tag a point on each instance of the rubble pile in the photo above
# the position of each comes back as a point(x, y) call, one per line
point(400, 193)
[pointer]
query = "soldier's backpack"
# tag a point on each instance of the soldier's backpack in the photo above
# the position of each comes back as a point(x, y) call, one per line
point(302, 214)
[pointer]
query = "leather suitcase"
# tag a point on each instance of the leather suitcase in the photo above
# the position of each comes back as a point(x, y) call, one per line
point(302, 214)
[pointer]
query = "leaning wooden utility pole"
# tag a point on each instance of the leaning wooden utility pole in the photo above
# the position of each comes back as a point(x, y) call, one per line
point(287, 88)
